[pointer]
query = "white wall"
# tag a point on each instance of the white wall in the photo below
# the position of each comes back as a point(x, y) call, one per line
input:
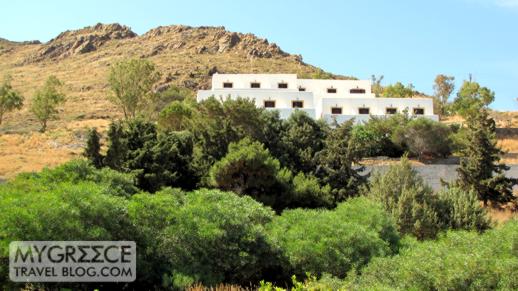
point(317, 101)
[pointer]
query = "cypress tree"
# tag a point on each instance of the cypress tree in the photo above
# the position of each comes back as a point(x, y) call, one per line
point(93, 148)
point(480, 167)
point(117, 150)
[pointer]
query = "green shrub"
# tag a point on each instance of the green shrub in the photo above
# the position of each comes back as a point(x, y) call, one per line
point(462, 210)
point(307, 192)
point(248, 168)
point(176, 116)
point(207, 236)
point(424, 138)
point(75, 171)
point(323, 241)
point(458, 261)
point(419, 211)
point(411, 202)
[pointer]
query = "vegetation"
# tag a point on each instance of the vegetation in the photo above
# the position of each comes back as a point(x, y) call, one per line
point(10, 99)
point(443, 88)
point(131, 82)
point(46, 100)
point(471, 98)
point(415, 208)
point(398, 90)
point(480, 168)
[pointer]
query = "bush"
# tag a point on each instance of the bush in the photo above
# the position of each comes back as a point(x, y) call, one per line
point(411, 202)
point(462, 210)
point(176, 116)
point(424, 138)
point(248, 168)
point(307, 192)
point(323, 241)
point(458, 261)
point(420, 212)
point(202, 237)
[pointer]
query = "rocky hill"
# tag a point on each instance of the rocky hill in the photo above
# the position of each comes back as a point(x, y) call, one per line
point(186, 56)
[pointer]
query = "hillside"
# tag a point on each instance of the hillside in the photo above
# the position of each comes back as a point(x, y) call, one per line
point(186, 56)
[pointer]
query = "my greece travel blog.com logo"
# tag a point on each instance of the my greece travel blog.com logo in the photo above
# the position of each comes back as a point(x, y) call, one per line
point(72, 261)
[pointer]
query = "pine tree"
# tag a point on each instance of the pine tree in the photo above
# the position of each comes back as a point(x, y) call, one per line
point(117, 149)
point(480, 168)
point(93, 148)
point(337, 163)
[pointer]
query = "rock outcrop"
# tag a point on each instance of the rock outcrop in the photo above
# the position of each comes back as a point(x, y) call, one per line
point(73, 42)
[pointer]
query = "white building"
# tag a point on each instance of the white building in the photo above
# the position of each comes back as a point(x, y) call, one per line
point(327, 99)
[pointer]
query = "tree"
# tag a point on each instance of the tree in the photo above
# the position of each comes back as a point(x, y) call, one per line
point(248, 168)
point(412, 204)
point(10, 100)
point(398, 90)
point(377, 88)
point(117, 147)
point(443, 87)
point(93, 148)
point(480, 168)
point(175, 116)
point(46, 100)
point(471, 98)
point(337, 160)
point(424, 138)
point(303, 138)
point(131, 82)
point(334, 241)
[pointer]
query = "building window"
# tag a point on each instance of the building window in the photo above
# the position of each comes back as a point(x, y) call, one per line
point(336, 110)
point(282, 85)
point(331, 90)
point(418, 111)
point(363, 110)
point(255, 85)
point(391, 110)
point(269, 104)
point(302, 89)
point(297, 104)
point(357, 91)
point(228, 85)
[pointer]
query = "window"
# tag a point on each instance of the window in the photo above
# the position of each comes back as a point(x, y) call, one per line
point(302, 89)
point(255, 85)
point(269, 104)
point(331, 90)
point(336, 110)
point(363, 110)
point(418, 111)
point(391, 110)
point(228, 85)
point(357, 91)
point(297, 104)
point(282, 85)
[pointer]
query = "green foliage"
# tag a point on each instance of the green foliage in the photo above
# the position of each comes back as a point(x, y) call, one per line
point(156, 160)
point(175, 116)
point(204, 239)
point(335, 242)
point(462, 210)
point(303, 138)
point(131, 82)
point(45, 101)
point(248, 168)
point(160, 100)
point(417, 210)
point(10, 99)
point(480, 168)
point(374, 138)
point(337, 160)
point(471, 98)
point(377, 88)
point(458, 261)
point(307, 193)
point(398, 90)
point(93, 148)
point(443, 88)
point(403, 194)
point(424, 138)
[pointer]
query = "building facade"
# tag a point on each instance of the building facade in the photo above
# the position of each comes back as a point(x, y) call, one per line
point(338, 100)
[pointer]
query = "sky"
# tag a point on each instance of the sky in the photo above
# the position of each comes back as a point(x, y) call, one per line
point(405, 40)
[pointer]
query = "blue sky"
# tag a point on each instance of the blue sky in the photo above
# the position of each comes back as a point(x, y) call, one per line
point(407, 41)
